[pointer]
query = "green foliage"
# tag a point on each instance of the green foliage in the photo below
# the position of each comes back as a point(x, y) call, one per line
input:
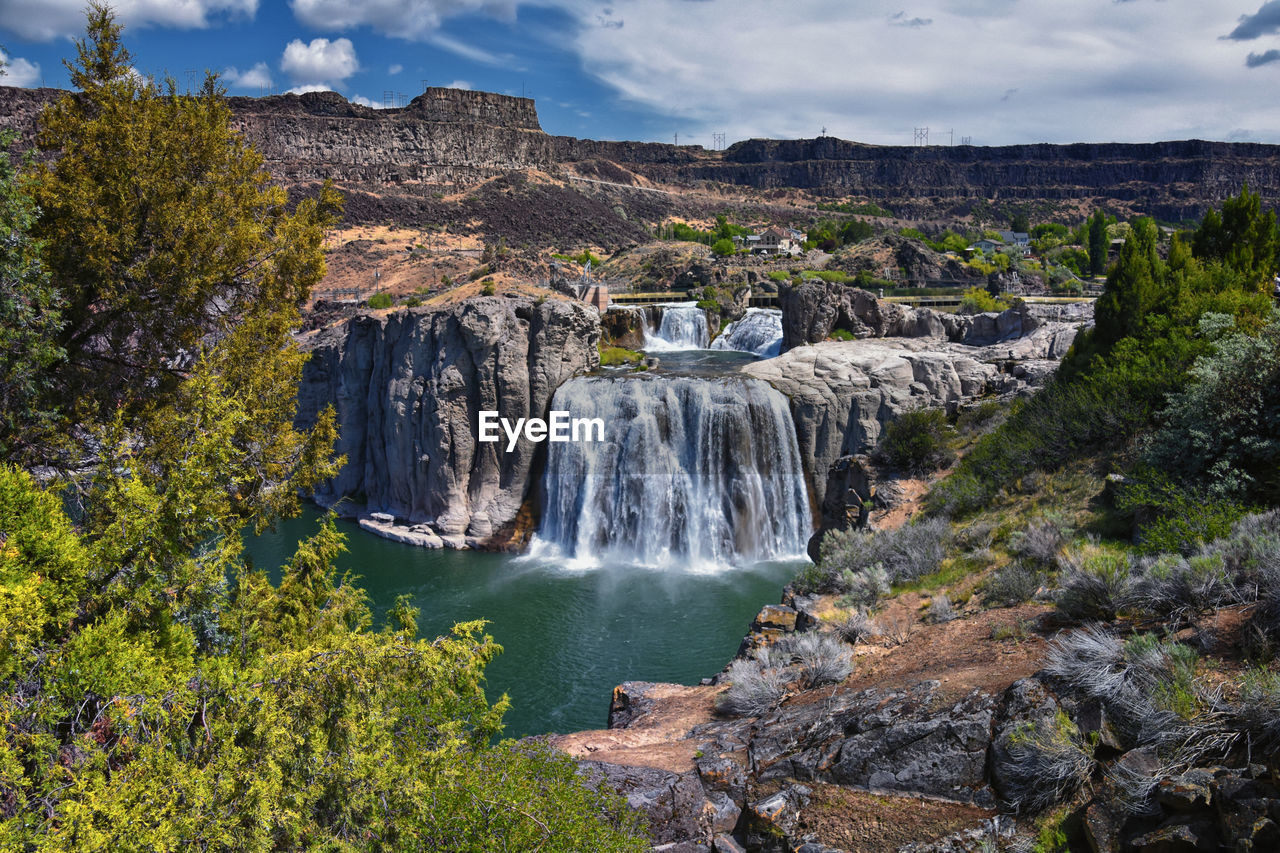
point(488, 287)
point(160, 225)
point(379, 301)
point(30, 317)
point(1098, 243)
point(829, 235)
point(976, 300)
point(841, 335)
point(724, 230)
point(617, 356)
point(723, 247)
point(1243, 237)
point(155, 693)
point(917, 441)
point(1218, 432)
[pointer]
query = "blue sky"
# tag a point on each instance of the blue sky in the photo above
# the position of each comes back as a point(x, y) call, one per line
point(995, 71)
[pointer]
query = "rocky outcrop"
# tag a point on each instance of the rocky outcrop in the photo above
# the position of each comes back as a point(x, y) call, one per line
point(812, 311)
point(408, 389)
point(842, 393)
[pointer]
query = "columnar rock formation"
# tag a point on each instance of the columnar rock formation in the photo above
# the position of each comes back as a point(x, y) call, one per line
point(408, 389)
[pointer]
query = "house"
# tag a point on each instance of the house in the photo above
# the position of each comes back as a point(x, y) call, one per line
point(1019, 240)
point(988, 246)
point(776, 241)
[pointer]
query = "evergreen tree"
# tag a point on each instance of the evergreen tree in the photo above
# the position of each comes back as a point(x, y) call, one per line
point(1243, 237)
point(1098, 244)
point(161, 226)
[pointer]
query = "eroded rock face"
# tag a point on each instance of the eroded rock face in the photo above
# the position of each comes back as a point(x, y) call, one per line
point(408, 389)
point(842, 393)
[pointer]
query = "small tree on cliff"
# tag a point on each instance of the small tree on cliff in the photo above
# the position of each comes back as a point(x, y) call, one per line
point(1098, 244)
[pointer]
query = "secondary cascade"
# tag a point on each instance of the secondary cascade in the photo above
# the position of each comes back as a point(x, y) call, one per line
point(758, 332)
point(693, 473)
point(683, 326)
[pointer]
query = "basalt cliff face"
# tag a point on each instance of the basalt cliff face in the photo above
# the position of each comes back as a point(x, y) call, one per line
point(408, 389)
point(459, 138)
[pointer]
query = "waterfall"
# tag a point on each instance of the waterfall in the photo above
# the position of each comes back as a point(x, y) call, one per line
point(693, 473)
point(759, 332)
point(683, 326)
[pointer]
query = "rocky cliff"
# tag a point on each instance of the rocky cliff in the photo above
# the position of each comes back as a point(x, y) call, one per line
point(842, 393)
point(408, 389)
point(456, 137)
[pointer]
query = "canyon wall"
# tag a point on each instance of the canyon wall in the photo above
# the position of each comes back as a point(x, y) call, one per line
point(408, 388)
point(457, 137)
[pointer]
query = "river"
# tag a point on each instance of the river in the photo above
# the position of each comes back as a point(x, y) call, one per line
point(569, 636)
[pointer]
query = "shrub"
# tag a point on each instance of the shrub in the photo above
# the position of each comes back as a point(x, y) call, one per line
point(723, 247)
point(379, 301)
point(916, 441)
point(1011, 585)
point(616, 356)
point(940, 610)
point(1040, 544)
point(864, 588)
point(907, 553)
point(841, 335)
point(1043, 764)
point(855, 626)
point(976, 300)
point(754, 690)
point(413, 302)
point(489, 288)
point(823, 658)
point(1096, 587)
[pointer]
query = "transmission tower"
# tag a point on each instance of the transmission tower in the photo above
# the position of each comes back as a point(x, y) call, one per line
point(388, 99)
point(966, 140)
point(921, 136)
point(717, 141)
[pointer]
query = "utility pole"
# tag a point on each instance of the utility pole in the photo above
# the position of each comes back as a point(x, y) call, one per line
point(677, 139)
point(191, 77)
point(424, 87)
point(952, 133)
point(824, 131)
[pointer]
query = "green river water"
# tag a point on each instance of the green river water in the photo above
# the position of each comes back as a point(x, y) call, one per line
point(569, 636)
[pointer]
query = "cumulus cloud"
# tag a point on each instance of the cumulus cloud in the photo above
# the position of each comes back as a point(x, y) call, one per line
point(365, 102)
point(900, 19)
point(395, 69)
point(458, 84)
point(45, 20)
point(308, 87)
point(1253, 60)
point(1091, 70)
point(321, 62)
point(1263, 22)
point(408, 19)
point(19, 72)
point(257, 77)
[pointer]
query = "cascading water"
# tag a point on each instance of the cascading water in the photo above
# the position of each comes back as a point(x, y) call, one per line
point(683, 326)
point(693, 473)
point(759, 332)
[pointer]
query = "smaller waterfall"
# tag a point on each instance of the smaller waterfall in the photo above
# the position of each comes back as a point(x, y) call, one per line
point(759, 332)
point(683, 326)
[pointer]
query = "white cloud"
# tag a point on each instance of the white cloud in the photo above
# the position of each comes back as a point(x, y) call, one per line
point(1093, 70)
point(408, 19)
point(19, 72)
point(320, 62)
point(458, 84)
point(45, 20)
point(257, 77)
point(307, 87)
point(395, 69)
point(365, 102)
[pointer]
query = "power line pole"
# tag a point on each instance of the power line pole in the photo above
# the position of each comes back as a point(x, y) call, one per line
point(191, 77)
point(424, 87)
point(921, 136)
point(717, 141)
